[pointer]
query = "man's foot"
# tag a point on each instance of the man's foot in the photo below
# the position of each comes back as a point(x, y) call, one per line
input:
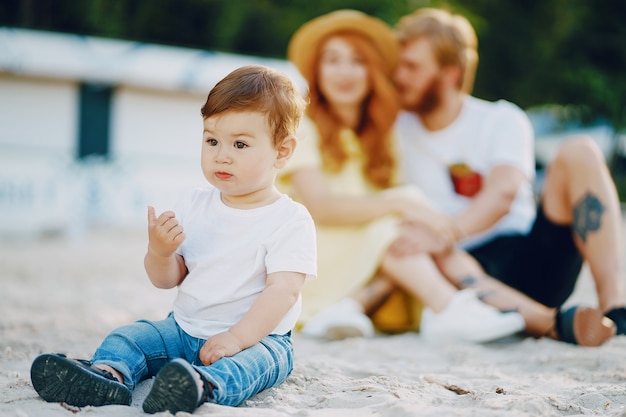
point(618, 315)
point(340, 321)
point(468, 319)
point(177, 387)
point(57, 378)
point(583, 326)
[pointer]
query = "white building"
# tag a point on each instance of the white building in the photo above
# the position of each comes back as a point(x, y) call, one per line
point(93, 130)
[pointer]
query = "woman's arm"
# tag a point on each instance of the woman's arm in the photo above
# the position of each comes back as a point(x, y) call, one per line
point(334, 209)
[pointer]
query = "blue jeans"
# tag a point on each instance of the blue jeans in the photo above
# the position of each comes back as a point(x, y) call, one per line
point(139, 350)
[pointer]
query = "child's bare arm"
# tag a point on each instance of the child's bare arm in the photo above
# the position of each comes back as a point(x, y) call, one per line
point(280, 294)
point(164, 267)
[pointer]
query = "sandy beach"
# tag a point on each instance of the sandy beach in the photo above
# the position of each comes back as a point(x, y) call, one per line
point(64, 295)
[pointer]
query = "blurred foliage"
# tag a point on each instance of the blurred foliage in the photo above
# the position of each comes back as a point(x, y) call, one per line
point(532, 52)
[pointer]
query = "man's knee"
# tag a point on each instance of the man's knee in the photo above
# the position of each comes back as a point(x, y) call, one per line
point(580, 152)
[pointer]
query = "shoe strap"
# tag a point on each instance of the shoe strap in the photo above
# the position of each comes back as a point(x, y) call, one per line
point(564, 325)
point(96, 370)
point(616, 314)
point(207, 387)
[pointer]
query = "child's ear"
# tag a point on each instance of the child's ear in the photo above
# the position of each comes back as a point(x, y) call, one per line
point(285, 150)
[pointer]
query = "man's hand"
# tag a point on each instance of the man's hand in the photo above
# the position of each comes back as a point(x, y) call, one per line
point(218, 346)
point(414, 208)
point(437, 225)
point(417, 238)
point(165, 234)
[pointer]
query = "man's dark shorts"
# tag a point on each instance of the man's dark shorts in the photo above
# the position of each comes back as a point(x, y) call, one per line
point(544, 264)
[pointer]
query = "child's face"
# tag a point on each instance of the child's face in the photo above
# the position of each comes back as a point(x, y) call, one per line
point(238, 157)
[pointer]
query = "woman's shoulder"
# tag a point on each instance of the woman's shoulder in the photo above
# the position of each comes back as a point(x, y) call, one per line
point(308, 138)
point(307, 129)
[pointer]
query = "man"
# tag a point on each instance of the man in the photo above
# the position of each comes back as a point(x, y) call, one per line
point(474, 159)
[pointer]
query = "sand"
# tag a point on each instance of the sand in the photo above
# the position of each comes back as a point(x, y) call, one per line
point(64, 295)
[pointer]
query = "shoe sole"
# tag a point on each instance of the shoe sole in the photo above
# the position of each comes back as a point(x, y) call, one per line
point(174, 389)
point(59, 379)
point(591, 327)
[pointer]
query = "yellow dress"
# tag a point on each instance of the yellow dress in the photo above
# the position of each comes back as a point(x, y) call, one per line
point(348, 256)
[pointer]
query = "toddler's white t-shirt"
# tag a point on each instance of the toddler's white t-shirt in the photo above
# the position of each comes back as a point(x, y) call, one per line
point(229, 253)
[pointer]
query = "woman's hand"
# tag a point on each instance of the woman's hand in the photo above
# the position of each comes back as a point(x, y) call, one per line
point(414, 208)
point(416, 238)
point(430, 218)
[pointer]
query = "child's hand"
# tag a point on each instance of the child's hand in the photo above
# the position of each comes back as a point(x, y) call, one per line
point(165, 234)
point(218, 346)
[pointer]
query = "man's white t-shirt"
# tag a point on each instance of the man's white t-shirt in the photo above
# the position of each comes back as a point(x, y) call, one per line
point(229, 253)
point(485, 134)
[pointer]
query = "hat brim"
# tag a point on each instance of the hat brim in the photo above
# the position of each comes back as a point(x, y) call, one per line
point(305, 41)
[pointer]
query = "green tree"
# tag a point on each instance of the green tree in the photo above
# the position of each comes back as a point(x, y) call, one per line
point(531, 52)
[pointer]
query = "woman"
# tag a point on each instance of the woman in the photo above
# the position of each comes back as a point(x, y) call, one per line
point(343, 171)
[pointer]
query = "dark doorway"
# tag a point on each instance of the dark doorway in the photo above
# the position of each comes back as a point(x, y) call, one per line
point(94, 120)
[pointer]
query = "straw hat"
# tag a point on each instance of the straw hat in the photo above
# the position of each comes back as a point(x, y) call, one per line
point(306, 39)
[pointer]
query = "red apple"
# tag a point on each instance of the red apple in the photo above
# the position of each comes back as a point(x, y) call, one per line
point(466, 181)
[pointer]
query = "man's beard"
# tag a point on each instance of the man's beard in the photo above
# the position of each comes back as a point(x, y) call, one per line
point(430, 99)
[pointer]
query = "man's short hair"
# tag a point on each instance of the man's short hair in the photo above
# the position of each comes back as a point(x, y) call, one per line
point(451, 36)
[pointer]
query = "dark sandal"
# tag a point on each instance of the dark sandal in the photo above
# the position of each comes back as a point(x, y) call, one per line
point(175, 389)
point(57, 378)
point(584, 326)
point(618, 315)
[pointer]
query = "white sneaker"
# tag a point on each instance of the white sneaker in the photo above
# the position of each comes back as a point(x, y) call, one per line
point(467, 319)
point(340, 321)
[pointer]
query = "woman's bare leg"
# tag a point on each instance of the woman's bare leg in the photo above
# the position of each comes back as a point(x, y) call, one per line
point(419, 275)
point(374, 294)
point(450, 314)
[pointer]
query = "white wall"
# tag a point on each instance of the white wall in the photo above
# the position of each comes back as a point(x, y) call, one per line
point(155, 158)
point(38, 114)
point(148, 122)
point(156, 137)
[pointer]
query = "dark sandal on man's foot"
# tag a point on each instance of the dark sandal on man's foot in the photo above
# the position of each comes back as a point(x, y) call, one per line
point(584, 326)
point(57, 378)
point(618, 315)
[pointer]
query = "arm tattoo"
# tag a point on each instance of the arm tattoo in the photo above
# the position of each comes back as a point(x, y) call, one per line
point(587, 215)
point(470, 281)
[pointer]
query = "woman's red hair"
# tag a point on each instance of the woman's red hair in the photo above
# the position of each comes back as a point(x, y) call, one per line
point(378, 114)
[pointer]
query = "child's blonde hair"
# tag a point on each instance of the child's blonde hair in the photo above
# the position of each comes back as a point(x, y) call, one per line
point(260, 89)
